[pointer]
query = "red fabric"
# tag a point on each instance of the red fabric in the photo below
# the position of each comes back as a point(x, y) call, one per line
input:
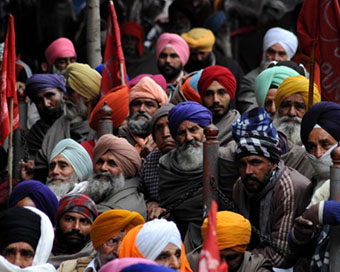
point(189, 93)
point(113, 55)
point(318, 26)
point(8, 79)
point(136, 30)
point(209, 260)
point(89, 146)
point(220, 74)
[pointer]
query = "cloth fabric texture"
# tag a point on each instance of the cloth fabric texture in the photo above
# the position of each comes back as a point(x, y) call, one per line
point(42, 196)
point(118, 265)
point(224, 126)
point(161, 112)
point(76, 155)
point(158, 78)
point(60, 48)
point(176, 42)
point(125, 155)
point(110, 223)
point(189, 88)
point(200, 39)
point(147, 268)
point(136, 30)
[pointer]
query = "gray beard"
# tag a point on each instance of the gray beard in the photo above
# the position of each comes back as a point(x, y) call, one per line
point(100, 189)
point(140, 127)
point(290, 129)
point(103, 259)
point(75, 113)
point(62, 188)
point(189, 156)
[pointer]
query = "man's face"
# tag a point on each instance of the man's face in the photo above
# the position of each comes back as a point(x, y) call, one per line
point(180, 23)
point(232, 258)
point(269, 102)
point(129, 44)
point(170, 257)
point(169, 64)
point(76, 105)
point(61, 64)
point(106, 164)
point(319, 141)
point(60, 170)
point(189, 131)
point(293, 106)
point(20, 254)
point(276, 52)
point(216, 99)
point(49, 104)
point(199, 56)
point(164, 141)
point(143, 105)
point(255, 172)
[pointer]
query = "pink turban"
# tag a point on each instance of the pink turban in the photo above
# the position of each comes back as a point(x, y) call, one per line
point(60, 48)
point(125, 155)
point(158, 78)
point(177, 43)
point(148, 88)
point(118, 265)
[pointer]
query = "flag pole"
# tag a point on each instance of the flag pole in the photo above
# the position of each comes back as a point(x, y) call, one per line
point(10, 147)
point(311, 76)
point(121, 70)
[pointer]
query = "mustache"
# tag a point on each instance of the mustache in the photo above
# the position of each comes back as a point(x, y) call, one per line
point(141, 114)
point(291, 119)
point(253, 178)
point(75, 233)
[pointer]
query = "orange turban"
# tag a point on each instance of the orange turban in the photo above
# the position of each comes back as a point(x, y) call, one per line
point(189, 92)
point(233, 231)
point(110, 223)
point(118, 101)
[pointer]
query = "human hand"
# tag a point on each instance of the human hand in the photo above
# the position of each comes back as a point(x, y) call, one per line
point(26, 169)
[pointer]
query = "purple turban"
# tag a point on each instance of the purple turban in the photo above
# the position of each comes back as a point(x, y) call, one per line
point(38, 83)
point(188, 111)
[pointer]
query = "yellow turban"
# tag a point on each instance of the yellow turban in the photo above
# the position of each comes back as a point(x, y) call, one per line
point(233, 231)
point(201, 39)
point(83, 80)
point(296, 84)
point(110, 223)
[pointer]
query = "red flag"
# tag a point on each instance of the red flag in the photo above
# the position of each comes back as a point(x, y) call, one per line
point(319, 27)
point(209, 260)
point(8, 79)
point(113, 56)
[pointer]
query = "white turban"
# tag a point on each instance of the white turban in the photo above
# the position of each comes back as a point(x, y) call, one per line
point(76, 155)
point(155, 235)
point(285, 38)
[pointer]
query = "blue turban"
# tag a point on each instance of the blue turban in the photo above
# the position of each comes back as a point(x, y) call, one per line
point(215, 21)
point(42, 82)
point(42, 196)
point(147, 268)
point(326, 115)
point(252, 122)
point(188, 111)
point(76, 155)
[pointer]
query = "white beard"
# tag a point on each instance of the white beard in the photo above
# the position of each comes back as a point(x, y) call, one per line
point(288, 127)
point(62, 188)
point(189, 156)
point(75, 113)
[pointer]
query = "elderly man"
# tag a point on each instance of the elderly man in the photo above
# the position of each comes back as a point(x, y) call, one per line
point(291, 102)
point(75, 215)
point(144, 99)
point(107, 233)
point(158, 240)
point(217, 87)
point(172, 55)
point(26, 239)
point(278, 44)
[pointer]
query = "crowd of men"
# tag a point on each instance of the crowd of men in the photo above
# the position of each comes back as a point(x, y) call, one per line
point(132, 199)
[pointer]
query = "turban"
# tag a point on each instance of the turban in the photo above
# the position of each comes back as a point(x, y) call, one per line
point(188, 111)
point(39, 83)
point(161, 112)
point(215, 21)
point(83, 80)
point(76, 155)
point(324, 114)
point(298, 67)
point(293, 85)
point(271, 76)
point(143, 267)
point(190, 87)
point(200, 39)
point(232, 229)
point(60, 48)
point(42, 196)
point(251, 121)
point(148, 88)
point(118, 100)
point(159, 79)
point(125, 155)
point(78, 203)
point(176, 42)
point(110, 223)
point(118, 265)
point(222, 75)
point(136, 30)
point(285, 38)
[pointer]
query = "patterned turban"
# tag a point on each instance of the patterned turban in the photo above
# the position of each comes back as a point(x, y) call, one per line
point(158, 78)
point(60, 48)
point(201, 39)
point(125, 155)
point(148, 88)
point(188, 111)
point(76, 155)
point(110, 223)
point(136, 30)
point(83, 80)
point(271, 76)
point(232, 229)
point(39, 83)
point(324, 114)
point(78, 203)
point(176, 42)
point(190, 87)
point(220, 74)
point(293, 85)
point(118, 265)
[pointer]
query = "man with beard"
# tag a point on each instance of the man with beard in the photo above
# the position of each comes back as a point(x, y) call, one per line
point(291, 101)
point(144, 99)
point(268, 193)
point(172, 54)
point(75, 215)
point(107, 233)
point(217, 87)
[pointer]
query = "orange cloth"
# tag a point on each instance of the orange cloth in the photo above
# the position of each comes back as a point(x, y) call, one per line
point(189, 92)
